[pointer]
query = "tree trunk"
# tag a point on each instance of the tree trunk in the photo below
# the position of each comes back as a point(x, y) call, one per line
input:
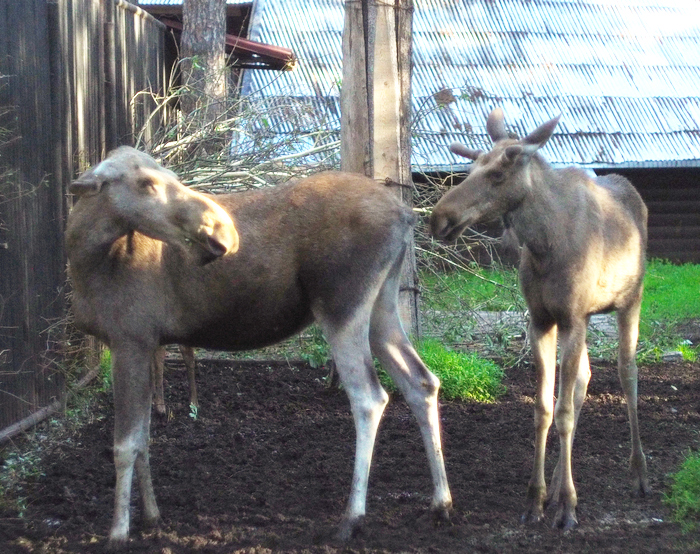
point(375, 110)
point(204, 57)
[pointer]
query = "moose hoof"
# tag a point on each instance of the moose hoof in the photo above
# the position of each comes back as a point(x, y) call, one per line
point(565, 519)
point(348, 528)
point(641, 488)
point(534, 512)
point(442, 515)
point(150, 523)
point(531, 517)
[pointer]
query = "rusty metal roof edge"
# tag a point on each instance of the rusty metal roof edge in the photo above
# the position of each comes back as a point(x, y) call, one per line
point(281, 53)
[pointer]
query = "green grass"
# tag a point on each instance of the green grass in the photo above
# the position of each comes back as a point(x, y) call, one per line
point(684, 496)
point(671, 297)
point(473, 289)
point(671, 292)
point(463, 375)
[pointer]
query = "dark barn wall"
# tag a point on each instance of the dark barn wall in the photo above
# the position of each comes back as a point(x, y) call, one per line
point(673, 198)
point(62, 106)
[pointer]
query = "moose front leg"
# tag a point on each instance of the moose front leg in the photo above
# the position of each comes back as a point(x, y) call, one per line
point(580, 390)
point(132, 417)
point(573, 341)
point(544, 347)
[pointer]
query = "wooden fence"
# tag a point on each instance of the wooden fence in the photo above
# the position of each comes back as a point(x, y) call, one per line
point(68, 72)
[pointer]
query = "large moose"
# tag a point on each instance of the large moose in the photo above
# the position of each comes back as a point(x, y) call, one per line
point(153, 262)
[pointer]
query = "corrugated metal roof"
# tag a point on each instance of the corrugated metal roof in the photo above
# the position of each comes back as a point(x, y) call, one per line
point(625, 74)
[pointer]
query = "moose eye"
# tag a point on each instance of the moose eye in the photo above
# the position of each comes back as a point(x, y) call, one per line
point(146, 184)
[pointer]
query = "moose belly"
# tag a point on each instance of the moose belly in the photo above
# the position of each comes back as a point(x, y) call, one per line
point(247, 331)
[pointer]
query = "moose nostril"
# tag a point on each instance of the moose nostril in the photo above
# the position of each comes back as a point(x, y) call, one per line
point(439, 225)
point(215, 247)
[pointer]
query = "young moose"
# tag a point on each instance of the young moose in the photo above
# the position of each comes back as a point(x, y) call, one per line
point(153, 263)
point(583, 242)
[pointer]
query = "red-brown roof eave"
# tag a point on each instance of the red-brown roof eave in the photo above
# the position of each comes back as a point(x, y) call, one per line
point(274, 57)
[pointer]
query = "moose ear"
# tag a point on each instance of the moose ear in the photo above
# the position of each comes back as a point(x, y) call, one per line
point(496, 126)
point(461, 150)
point(87, 184)
point(542, 134)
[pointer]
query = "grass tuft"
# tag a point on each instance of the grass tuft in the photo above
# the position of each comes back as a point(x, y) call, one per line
point(463, 375)
point(684, 496)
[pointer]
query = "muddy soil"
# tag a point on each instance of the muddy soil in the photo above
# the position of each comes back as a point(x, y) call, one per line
point(266, 467)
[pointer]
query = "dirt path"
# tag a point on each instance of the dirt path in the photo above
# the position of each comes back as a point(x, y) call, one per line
point(266, 467)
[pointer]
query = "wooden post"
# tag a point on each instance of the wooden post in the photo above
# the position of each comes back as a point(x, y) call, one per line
point(354, 119)
point(410, 296)
point(375, 107)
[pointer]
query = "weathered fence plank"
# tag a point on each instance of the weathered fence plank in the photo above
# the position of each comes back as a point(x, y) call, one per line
point(68, 72)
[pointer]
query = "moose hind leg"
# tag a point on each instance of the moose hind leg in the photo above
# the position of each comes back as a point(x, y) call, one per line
point(187, 353)
point(628, 329)
point(350, 349)
point(420, 389)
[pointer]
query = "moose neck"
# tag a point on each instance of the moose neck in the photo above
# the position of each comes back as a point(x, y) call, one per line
point(90, 238)
point(537, 220)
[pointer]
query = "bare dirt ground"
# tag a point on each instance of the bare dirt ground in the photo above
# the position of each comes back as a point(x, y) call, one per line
point(266, 467)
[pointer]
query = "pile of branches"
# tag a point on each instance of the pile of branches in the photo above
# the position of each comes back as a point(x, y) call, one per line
point(253, 141)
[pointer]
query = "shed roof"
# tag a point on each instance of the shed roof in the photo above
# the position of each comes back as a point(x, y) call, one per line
point(625, 74)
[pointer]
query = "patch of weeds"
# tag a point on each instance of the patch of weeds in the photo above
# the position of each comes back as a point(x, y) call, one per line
point(16, 469)
point(462, 375)
point(656, 337)
point(600, 347)
point(105, 375)
point(21, 461)
point(315, 351)
point(690, 352)
point(684, 496)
